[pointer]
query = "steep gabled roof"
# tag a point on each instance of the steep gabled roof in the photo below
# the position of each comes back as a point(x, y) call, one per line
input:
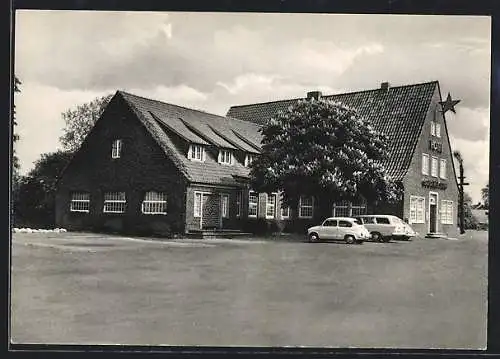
point(164, 121)
point(398, 112)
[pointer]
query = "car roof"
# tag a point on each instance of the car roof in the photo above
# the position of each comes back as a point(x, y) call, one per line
point(342, 218)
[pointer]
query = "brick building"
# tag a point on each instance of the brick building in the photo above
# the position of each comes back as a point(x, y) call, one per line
point(153, 167)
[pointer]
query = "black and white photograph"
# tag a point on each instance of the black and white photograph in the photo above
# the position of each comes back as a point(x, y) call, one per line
point(245, 179)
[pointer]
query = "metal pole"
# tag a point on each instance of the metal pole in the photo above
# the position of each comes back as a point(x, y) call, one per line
point(461, 199)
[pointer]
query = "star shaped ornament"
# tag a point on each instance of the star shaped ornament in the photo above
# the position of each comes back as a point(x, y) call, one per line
point(449, 104)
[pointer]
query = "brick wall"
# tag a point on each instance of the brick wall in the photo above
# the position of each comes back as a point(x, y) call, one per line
point(142, 167)
point(413, 180)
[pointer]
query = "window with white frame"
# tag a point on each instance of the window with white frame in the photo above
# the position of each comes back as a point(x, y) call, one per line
point(154, 203)
point(425, 164)
point(434, 167)
point(341, 209)
point(306, 207)
point(446, 212)
point(271, 205)
point(238, 204)
point(249, 159)
point(442, 168)
point(417, 209)
point(225, 157)
point(80, 202)
point(196, 153)
point(433, 128)
point(285, 212)
point(438, 129)
point(116, 149)
point(197, 204)
point(225, 205)
point(253, 202)
point(114, 202)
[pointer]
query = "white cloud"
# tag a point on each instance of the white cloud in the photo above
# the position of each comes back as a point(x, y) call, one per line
point(38, 114)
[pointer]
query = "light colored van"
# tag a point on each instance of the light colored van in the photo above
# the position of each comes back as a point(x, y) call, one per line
point(385, 227)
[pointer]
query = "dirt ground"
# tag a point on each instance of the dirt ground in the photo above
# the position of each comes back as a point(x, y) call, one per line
point(82, 288)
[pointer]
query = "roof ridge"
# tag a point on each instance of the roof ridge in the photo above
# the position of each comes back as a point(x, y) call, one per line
point(337, 94)
point(184, 107)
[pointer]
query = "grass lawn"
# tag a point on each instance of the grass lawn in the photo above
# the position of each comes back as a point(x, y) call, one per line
point(100, 289)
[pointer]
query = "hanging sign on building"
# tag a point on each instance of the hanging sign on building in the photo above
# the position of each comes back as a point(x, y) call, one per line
point(434, 184)
point(435, 146)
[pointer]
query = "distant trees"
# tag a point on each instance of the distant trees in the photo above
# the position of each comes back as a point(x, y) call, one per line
point(36, 194)
point(326, 150)
point(15, 160)
point(485, 196)
point(470, 222)
point(80, 120)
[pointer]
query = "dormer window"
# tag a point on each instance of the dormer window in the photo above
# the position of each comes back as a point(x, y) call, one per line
point(196, 153)
point(116, 149)
point(249, 159)
point(225, 157)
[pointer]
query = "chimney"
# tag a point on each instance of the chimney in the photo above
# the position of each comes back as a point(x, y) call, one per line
point(384, 86)
point(316, 95)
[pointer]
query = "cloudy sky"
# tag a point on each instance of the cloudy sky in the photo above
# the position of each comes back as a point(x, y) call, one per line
point(211, 61)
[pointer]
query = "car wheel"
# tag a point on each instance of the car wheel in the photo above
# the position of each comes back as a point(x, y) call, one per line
point(350, 239)
point(377, 237)
point(313, 237)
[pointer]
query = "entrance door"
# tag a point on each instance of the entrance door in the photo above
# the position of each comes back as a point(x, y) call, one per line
point(210, 209)
point(433, 212)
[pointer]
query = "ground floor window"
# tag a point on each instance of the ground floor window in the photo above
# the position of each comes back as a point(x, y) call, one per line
point(349, 209)
point(253, 202)
point(197, 204)
point(154, 203)
point(238, 204)
point(446, 212)
point(306, 207)
point(80, 202)
point(271, 206)
point(114, 202)
point(225, 205)
point(285, 212)
point(417, 209)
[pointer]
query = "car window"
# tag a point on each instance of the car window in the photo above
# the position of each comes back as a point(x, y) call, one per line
point(383, 220)
point(358, 221)
point(330, 223)
point(369, 220)
point(345, 224)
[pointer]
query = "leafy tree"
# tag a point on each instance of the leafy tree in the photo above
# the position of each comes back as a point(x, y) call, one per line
point(15, 159)
point(36, 199)
point(470, 222)
point(324, 149)
point(80, 120)
point(485, 196)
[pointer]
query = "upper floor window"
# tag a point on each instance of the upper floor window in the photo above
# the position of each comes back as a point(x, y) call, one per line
point(425, 164)
point(306, 207)
point(154, 203)
point(271, 206)
point(225, 157)
point(438, 129)
point(433, 128)
point(80, 202)
point(442, 168)
point(116, 149)
point(434, 167)
point(196, 153)
point(114, 202)
point(249, 159)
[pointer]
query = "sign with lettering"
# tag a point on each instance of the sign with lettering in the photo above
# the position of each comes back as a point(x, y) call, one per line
point(435, 146)
point(434, 184)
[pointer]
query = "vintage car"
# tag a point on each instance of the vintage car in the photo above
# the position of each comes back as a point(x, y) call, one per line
point(339, 228)
point(383, 227)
